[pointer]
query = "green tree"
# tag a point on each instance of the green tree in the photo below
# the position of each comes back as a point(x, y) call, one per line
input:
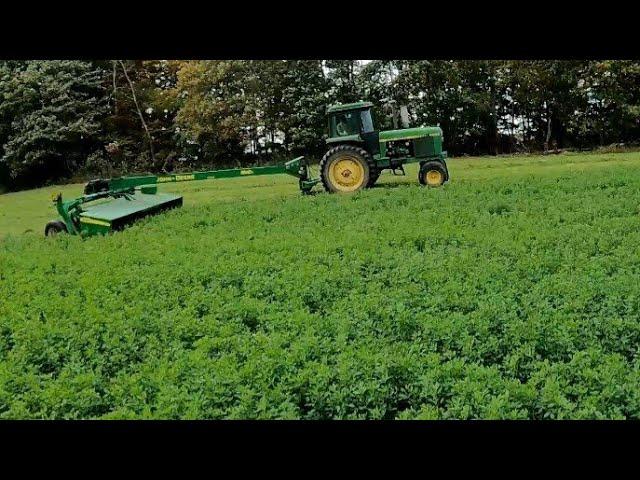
point(481, 94)
point(230, 108)
point(265, 95)
point(140, 123)
point(216, 115)
point(56, 108)
point(612, 102)
point(301, 111)
point(342, 76)
point(547, 96)
point(379, 83)
point(435, 96)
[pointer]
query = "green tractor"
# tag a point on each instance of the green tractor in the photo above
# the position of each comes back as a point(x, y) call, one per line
point(357, 155)
point(358, 152)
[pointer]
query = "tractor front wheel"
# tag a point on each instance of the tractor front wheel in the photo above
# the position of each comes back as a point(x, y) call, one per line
point(54, 228)
point(432, 174)
point(345, 169)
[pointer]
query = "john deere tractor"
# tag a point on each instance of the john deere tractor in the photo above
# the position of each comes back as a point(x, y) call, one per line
point(358, 152)
point(357, 155)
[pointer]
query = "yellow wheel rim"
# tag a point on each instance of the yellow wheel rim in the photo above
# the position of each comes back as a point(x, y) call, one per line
point(347, 174)
point(434, 178)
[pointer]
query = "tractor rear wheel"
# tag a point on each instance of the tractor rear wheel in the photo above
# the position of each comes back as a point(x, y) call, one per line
point(432, 174)
point(345, 169)
point(55, 227)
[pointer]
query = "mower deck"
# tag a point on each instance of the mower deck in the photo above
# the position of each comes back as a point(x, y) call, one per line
point(116, 213)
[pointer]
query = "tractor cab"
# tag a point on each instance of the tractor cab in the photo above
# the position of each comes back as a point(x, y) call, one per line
point(350, 119)
point(353, 122)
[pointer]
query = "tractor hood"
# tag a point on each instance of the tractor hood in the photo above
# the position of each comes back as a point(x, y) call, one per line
point(410, 133)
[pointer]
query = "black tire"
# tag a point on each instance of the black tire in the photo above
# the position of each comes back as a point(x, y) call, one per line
point(54, 228)
point(430, 179)
point(374, 175)
point(335, 154)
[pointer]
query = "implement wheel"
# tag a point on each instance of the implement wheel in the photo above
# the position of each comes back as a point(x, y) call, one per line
point(432, 174)
point(54, 228)
point(345, 169)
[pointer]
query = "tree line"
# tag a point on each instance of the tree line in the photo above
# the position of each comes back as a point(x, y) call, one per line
point(60, 119)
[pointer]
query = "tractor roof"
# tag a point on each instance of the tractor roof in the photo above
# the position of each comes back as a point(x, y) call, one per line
point(349, 106)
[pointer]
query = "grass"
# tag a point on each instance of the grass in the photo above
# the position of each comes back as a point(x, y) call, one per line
point(27, 212)
point(509, 293)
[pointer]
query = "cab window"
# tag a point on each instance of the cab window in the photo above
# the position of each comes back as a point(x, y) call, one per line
point(346, 124)
point(367, 122)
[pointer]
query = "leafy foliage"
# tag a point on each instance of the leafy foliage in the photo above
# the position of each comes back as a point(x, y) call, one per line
point(229, 106)
point(51, 113)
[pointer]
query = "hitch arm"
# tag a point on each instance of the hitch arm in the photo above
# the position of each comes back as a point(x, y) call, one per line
point(299, 167)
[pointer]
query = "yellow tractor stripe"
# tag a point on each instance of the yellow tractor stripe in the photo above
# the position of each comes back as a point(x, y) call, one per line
point(93, 221)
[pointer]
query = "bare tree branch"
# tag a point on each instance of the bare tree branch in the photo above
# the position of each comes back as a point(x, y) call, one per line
point(115, 88)
point(135, 100)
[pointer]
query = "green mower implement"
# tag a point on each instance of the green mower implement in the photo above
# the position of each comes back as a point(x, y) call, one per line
point(91, 214)
point(111, 204)
point(357, 154)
